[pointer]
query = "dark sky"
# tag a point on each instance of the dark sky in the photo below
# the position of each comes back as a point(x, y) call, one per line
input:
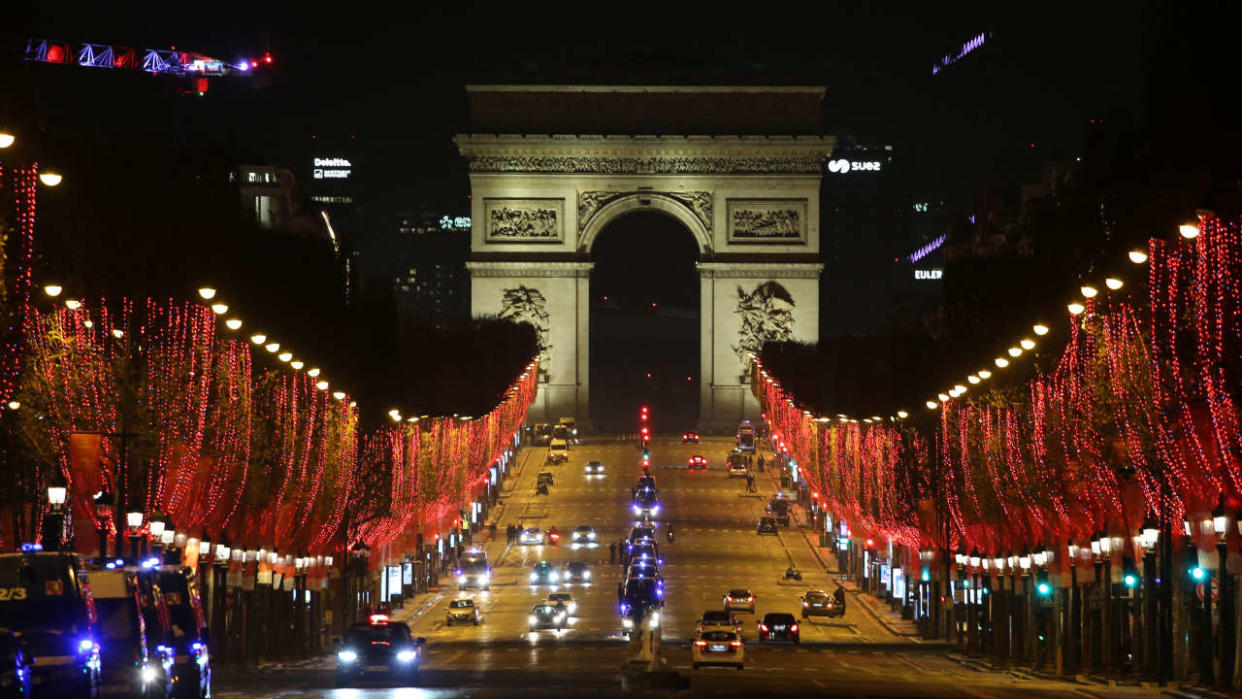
point(394, 76)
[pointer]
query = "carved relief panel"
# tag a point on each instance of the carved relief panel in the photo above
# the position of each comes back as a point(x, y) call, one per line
point(524, 220)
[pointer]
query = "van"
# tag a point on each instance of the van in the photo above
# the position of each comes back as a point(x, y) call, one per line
point(186, 633)
point(571, 423)
point(129, 663)
point(558, 451)
point(46, 600)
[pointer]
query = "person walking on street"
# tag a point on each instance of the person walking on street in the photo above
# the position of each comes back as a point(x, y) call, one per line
point(750, 482)
point(612, 552)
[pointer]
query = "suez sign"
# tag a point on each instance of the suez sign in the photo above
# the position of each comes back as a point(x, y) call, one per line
point(929, 274)
point(332, 169)
point(843, 165)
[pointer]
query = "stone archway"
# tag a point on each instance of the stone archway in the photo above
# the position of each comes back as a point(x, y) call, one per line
point(750, 201)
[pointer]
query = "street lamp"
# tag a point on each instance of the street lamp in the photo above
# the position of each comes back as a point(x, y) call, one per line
point(50, 178)
point(133, 519)
point(156, 526)
point(103, 504)
point(1220, 523)
point(54, 520)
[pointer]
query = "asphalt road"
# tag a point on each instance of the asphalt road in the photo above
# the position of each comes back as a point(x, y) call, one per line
point(716, 549)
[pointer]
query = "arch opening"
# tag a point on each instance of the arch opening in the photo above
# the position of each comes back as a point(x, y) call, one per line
point(645, 323)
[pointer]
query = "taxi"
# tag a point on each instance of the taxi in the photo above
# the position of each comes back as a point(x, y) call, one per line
point(718, 646)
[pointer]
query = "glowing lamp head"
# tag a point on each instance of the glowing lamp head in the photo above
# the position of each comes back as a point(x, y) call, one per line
point(944, 397)
point(1076, 308)
point(258, 338)
point(973, 379)
point(313, 372)
point(73, 304)
point(1001, 362)
point(206, 293)
point(1189, 231)
point(219, 308)
point(985, 374)
point(49, 178)
point(322, 385)
point(297, 364)
point(272, 347)
point(53, 290)
point(1088, 291)
point(1138, 257)
point(233, 323)
point(1015, 351)
point(1040, 329)
point(339, 395)
point(902, 414)
point(1113, 283)
point(285, 356)
point(932, 405)
point(6, 139)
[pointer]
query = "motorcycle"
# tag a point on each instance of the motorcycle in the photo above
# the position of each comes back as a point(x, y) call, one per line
point(671, 536)
point(793, 574)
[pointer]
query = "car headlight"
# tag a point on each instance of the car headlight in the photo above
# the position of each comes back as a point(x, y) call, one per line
point(406, 656)
point(148, 674)
point(552, 577)
point(346, 656)
point(591, 536)
point(560, 617)
point(637, 509)
point(627, 623)
point(573, 607)
point(531, 619)
point(586, 575)
point(461, 579)
point(655, 509)
point(485, 577)
point(534, 577)
point(655, 620)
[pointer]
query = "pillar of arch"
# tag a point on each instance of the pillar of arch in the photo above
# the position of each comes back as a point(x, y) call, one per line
point(751, 202)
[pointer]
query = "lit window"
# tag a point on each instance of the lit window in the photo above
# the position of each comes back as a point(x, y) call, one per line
point(252, 177)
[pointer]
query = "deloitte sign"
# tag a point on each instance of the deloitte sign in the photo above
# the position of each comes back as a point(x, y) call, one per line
point(332, 169)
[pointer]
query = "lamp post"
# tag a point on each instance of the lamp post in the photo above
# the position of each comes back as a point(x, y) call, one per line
point(1073, 639)
point(172, 553)
point(1149, 537)
point(998, 603)
point(54, 520)
point(972, 601)
point(134, 516)
point(1024, 569)
point(1220, 524)
point(959, 559)
point(103, 504)
point(155, 529)
point(1105, 545)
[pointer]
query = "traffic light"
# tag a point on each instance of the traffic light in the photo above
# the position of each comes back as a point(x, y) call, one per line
point(1129, 573)
point(1042, 586)
point(643, 414)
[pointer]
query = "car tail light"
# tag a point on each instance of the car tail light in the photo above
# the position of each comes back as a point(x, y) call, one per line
point(794, 628)
point(750, 599)
point(806, 604)
point(763, 627)
point(735, 644)
point(700, 644)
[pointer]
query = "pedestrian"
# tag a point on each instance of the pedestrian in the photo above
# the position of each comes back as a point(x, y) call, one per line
point(750, 482)
point(508, 533)
point(612, 552)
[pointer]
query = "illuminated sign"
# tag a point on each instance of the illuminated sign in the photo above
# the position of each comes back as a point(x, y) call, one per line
point(949, 59)
point(454, 223)
point(842, 165)
point(929, 274)
point(332, 169)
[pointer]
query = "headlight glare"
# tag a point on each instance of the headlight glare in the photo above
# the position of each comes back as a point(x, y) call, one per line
point(406, 656)
point(347, 656)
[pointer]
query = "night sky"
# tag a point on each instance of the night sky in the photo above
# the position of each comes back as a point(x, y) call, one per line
point(394, 81)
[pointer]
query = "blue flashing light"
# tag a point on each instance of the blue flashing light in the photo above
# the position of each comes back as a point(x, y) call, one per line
point(86, 645)
point(30, 547)
point(151, 562)
point(197, 646)
point(1198, 573)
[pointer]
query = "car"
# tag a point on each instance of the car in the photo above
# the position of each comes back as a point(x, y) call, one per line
point(739, 599)
point(820, 603)
point(778, 626)
point(779, 509)
point(571, 424)
point(576, 572)
point(593, 468)
point(719, 618)
point(767, 525)
point(461, 610)
point(645, 506)
point(130, 661)
point(738, 469)
point(475, 571)
point(638, 535)
point(545, 478)
point(544, 574)
point(379, 645)
point(647, 552)
point(15, 667)
point(583, 535)
point(689, 437)
point(646, 482)
point(531, 536)
point(644, 571)
point(564, 601)
point(546, 616)
point(542, 432)
point(718, 647)
point(562, 432)
point(558, 451)
point(696, 463)
point(642, 592)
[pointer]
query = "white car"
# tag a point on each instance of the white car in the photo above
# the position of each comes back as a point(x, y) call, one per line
point(739, 600)
point(718, 646)
point(593, 468)
point(531, 536)
point(738, 470)
point(563, 601)
point(558, 451)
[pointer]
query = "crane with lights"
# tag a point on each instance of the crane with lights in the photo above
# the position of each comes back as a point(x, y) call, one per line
point(171, 61)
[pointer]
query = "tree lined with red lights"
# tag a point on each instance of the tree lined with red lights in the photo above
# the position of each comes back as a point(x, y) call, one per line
point(1137, 418)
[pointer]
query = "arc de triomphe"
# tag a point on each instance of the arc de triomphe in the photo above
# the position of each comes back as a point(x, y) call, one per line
point(551, 167)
